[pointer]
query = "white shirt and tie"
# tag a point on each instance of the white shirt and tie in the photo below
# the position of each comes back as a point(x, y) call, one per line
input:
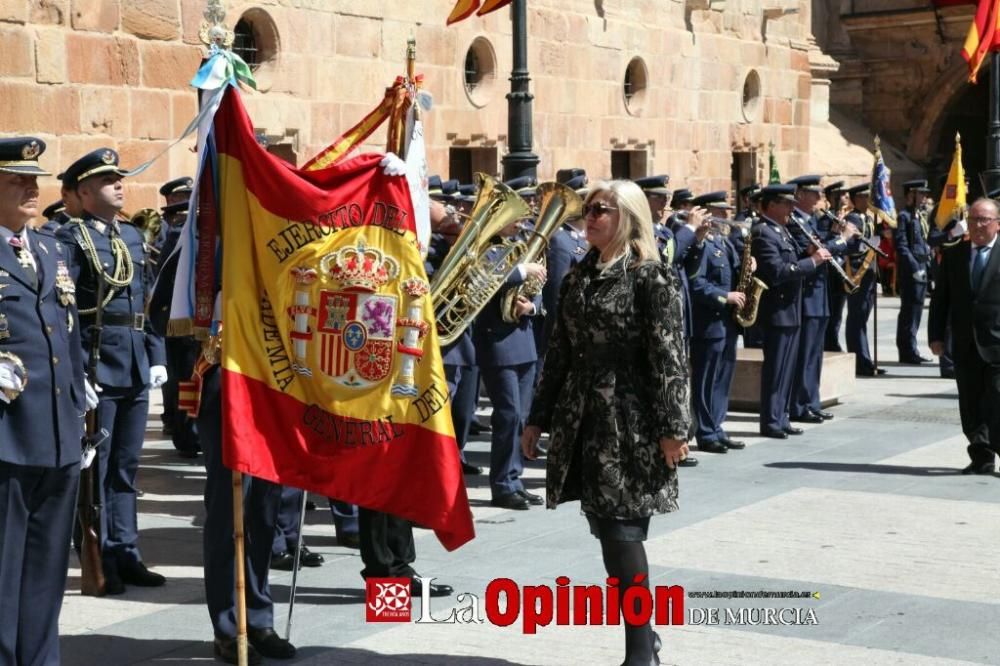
point(979, 257)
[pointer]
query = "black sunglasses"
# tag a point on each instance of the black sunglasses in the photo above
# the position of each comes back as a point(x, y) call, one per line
point(597, 209)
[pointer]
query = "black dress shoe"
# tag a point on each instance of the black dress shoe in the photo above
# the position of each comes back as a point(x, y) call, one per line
point(792, 430)
point(283, 561)
point(270, 644)
point(533, 499)
point(437, 589)
point(349, 540)
point(470, 469)
point(310, 505)
point(307, 558)
point(712, 447)
point(688, 462)
point(947, 373)
point(225, 650)
point(136, 573)
point(734, 444)
point(187, 453)
point(511, 501)
point(826, 416)
point(870, 372)
point(113, 584)
point(914, 360)
point(808, 417)
point(774, 434)
point(976, 468)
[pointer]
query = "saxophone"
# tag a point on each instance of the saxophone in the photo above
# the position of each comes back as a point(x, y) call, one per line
point(751, 287)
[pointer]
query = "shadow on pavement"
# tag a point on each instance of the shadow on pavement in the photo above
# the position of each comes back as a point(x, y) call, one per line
point(868, 469)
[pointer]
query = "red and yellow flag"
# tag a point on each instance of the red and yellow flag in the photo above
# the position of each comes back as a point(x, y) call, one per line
point(983, 36)
point(463, 9)
point(331, 370)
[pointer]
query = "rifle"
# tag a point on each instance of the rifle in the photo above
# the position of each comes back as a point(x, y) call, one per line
point(89, 502)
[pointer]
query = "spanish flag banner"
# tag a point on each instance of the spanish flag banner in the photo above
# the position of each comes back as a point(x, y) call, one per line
point(463, 9)
point(953, 199)
point(983, 36)
point(331, 373)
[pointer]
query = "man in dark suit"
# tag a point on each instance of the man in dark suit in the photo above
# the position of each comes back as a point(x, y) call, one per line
point(805, 401)
point(780, 313)
point(967, 296)
point(43, 396)
point(99, 247)
point(913, 259)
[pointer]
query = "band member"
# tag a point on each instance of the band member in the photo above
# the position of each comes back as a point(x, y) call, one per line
point(43, 396)
point(132, 354)
point(967, 296)
point(805, 403)
point(566, 249)
point(658, 197)
point(713, 272)
point(780, 313)
point(861, 268)
point(913, 258)
point(835, 195)
point(681, 203)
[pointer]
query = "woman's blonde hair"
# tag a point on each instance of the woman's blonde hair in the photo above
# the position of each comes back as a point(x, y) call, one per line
point(635, 223)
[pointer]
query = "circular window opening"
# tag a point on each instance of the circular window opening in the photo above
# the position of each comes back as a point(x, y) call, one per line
point(751, 96)
point(480, 71)
point(256, 40)
point(634, 87)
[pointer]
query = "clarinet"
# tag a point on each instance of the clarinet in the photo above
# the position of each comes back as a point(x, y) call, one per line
point(849, 284)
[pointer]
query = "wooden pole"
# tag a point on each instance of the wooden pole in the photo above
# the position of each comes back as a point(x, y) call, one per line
point(242, 648)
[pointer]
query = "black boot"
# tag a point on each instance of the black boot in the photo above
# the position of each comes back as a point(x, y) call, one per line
point(626, 560)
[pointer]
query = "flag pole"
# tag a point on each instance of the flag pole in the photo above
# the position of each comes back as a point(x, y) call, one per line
point(241, 599)
point(993, 128)
point(295, 567)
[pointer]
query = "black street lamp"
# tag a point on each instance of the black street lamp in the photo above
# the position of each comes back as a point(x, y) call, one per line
point(519, 160)
point(991, 177)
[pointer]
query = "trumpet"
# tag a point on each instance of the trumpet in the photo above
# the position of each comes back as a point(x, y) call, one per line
point(149, 222)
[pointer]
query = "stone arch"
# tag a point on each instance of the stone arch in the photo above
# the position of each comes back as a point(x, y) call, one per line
point(949, 85)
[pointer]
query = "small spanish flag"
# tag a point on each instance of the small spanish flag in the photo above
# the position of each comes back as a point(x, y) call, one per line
point(983, 36)
point(465, 8)
point(953, 199)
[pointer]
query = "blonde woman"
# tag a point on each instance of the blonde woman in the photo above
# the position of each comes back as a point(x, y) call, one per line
point(614, 391)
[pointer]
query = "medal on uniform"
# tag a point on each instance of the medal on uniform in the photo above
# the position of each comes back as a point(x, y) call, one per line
point(4, 329)
point(64, 284)
point(69, 321)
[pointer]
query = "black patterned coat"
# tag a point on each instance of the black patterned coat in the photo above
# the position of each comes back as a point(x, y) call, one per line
point(615, 380)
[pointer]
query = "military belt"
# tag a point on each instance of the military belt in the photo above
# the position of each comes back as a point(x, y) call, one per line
point(136, 321)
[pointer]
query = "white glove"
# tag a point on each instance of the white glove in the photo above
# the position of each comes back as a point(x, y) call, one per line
point(157, 376)
point(960, 229)
point(9, 381)
point(90, 395)
point(920, 275)
point(392, 165)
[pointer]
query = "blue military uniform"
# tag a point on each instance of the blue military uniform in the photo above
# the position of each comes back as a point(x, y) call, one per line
point(566, 249)
point(805, 403)
point(506, 355)
point(129, 347)
point(40, 428)
point(779, 314)
point(913, 258)
point(939, 239)
point(861, 301)
point(713, 270)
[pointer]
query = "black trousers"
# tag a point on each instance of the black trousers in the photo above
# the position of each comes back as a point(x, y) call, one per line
point(386, 545)
point(979, 404)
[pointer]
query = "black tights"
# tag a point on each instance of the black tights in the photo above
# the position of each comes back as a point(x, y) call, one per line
point(624, 560)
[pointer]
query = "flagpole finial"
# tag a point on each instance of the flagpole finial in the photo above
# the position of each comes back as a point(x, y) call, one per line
point(958, 137)
point(213, 29)
point(411, 57)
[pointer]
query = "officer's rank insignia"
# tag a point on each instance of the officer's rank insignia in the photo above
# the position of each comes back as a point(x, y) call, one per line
point(717, 253)
point(42, 245)
point(65, 285)
point(31, 151)
point(4, 273)
point(108, 157)
point(4, 327)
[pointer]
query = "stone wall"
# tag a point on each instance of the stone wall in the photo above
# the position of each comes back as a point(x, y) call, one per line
point(89, 73)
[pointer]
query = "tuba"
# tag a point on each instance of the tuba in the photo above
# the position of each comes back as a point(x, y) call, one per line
point(751, 287)
point(149, 222)
point(558, 204)
point(471, 275)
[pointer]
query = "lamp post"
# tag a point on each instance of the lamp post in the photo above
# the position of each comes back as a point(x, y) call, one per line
point(519, 160)
point(991, 177)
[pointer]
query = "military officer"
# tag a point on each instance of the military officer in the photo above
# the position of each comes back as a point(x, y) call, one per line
point(747, 208)
point(835, 294)
point(681, 203)
point(566, 248)
point(805, 399)
point(286, 534)
point(132, 354)
point(43, 396)
point(780, 314)
point(861, 267)
point(913, 257)
point(54, 215)
point(713, 268)
point(507, 356)
point(658, 196)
